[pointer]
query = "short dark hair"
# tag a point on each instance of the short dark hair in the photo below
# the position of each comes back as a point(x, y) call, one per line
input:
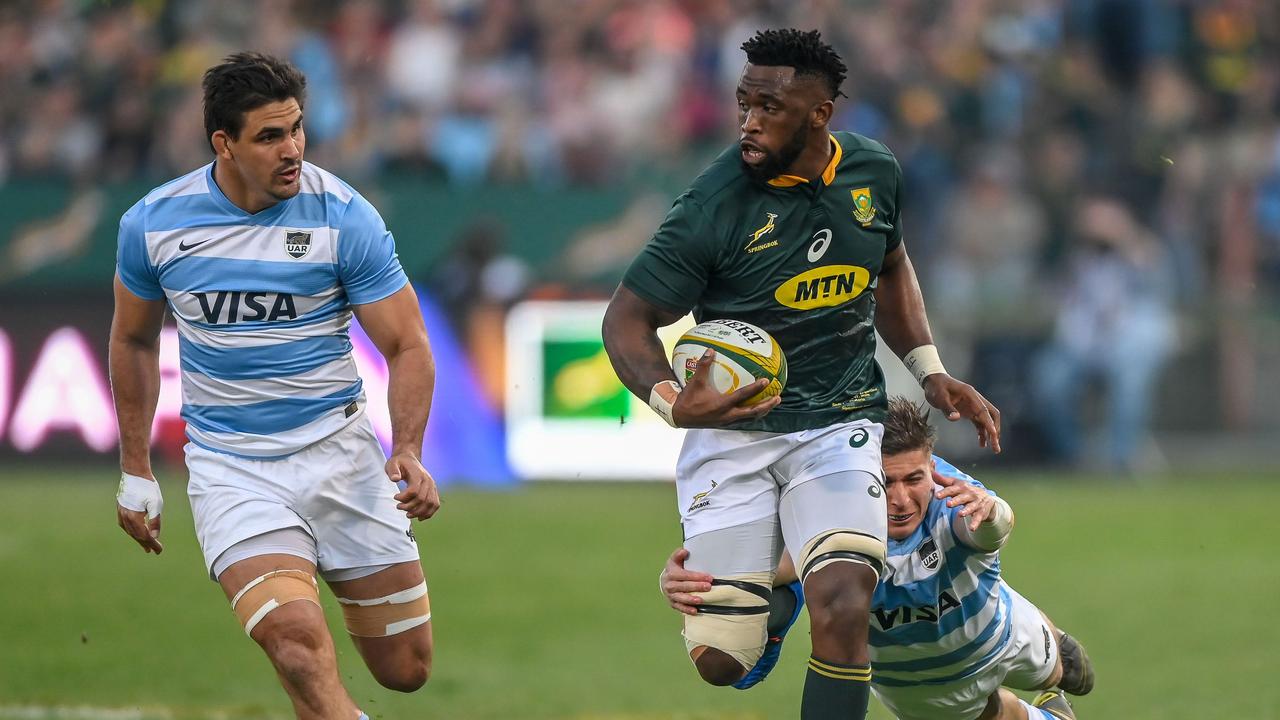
point(906, 427)
point(804, 51)
point(245, 81)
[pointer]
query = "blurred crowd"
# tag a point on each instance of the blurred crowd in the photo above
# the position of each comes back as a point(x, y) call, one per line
point(1093, 185)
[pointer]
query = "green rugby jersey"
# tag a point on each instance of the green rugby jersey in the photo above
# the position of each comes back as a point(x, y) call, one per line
point(799, 259)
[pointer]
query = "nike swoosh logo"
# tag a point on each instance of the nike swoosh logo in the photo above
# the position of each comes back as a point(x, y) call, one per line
point(183, 246)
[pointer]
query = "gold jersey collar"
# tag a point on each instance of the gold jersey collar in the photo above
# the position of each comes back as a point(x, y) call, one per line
point(828, 175)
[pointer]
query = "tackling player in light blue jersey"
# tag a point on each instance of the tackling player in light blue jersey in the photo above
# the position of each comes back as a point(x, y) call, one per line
point(946, 630)
point(263, 260)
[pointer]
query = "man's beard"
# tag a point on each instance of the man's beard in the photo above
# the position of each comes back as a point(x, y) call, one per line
point(774, 164)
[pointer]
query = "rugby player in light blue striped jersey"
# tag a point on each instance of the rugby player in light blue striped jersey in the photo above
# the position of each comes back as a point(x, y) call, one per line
point(263, 259)
point(946, 631)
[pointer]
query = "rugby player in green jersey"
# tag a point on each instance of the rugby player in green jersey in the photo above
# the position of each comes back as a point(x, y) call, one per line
point(798, 230)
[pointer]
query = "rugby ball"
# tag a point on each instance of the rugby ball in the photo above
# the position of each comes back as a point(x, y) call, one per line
point(744, 353)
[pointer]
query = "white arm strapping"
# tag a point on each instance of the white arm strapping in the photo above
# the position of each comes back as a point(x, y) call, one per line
point(139, 494)
point(992, 533)
point(662, 399)
point(923, 362)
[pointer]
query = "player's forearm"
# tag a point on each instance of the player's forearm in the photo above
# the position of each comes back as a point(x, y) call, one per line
point(992, 533)
point(134, 368)
point(411, 383)
point(900, 314)
point(635, 351)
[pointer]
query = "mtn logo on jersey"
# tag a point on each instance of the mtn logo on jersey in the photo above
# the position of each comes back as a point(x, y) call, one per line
point(223, 307)
point(864, 211)
point(297, 243)
point(826, 286)
point(765, 229)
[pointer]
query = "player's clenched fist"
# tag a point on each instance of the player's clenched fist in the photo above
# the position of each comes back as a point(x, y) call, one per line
point(418, 497)
point(138, 507)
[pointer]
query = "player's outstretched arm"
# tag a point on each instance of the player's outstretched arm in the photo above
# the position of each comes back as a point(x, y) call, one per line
point(984, 521)
point(630, 334)
point(904, 325)
point(134, 367)
point(395, 326)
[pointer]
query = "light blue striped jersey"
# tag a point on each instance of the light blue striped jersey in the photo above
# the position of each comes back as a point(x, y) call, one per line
point(263, 304)
point(941, 610)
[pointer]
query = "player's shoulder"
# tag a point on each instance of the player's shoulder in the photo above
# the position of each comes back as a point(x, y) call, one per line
point(347, 205)
point(720, 183)
point(315, 180)
point(194, 183)
point(855, 145)
point(863, 150)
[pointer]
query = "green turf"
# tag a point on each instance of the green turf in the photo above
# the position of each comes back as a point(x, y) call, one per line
point(546, 605)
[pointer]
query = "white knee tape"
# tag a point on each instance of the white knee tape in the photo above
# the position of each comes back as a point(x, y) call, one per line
point(841, 545)
point(733, 617)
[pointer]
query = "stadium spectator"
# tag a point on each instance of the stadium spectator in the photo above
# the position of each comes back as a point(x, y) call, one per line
point(1115, 326)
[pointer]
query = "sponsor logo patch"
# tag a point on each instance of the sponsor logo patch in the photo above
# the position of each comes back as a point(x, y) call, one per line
point(297, 243)
point(826, 286)
point(929, 555)
point(700, 500)
point(864, 210)
point(761, 232)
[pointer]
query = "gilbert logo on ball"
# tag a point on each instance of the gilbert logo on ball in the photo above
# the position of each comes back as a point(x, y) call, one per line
point(744, 353)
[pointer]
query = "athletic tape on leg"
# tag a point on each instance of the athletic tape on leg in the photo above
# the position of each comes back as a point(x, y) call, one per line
point(271, 590)
point(388, 615)
point(841, 545)
point(732, 617)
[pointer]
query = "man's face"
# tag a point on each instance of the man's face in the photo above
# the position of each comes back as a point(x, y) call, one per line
point(268, 154)
point(908, 490)
point(774, 117)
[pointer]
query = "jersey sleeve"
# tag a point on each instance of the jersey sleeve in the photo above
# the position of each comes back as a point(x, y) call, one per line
point(368, 266)
point(895, 217)
point(133, 263)
point(673, 268)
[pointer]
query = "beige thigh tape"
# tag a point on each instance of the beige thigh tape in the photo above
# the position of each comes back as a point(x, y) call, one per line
point(732, 617)
point(389, 615)
point(841, 545)
point(268, 592)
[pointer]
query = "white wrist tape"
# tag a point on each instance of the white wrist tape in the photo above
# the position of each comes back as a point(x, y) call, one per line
point(994, 531)
point(923, 362)
point(663, 397)
point(138, 494)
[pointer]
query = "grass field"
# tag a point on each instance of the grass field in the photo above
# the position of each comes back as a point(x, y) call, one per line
point(545, 606)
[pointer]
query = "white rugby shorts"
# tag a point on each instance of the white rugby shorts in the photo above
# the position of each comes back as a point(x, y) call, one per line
point(1026, 664)
point(726, 478)
point(336, 490)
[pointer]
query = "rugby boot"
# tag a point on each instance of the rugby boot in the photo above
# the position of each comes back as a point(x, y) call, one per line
point(773, 645)
point(1054, 703)
point(1077, 669)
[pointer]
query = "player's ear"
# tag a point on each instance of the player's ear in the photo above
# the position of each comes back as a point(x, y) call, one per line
point(821, 115)
point(221, 143)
